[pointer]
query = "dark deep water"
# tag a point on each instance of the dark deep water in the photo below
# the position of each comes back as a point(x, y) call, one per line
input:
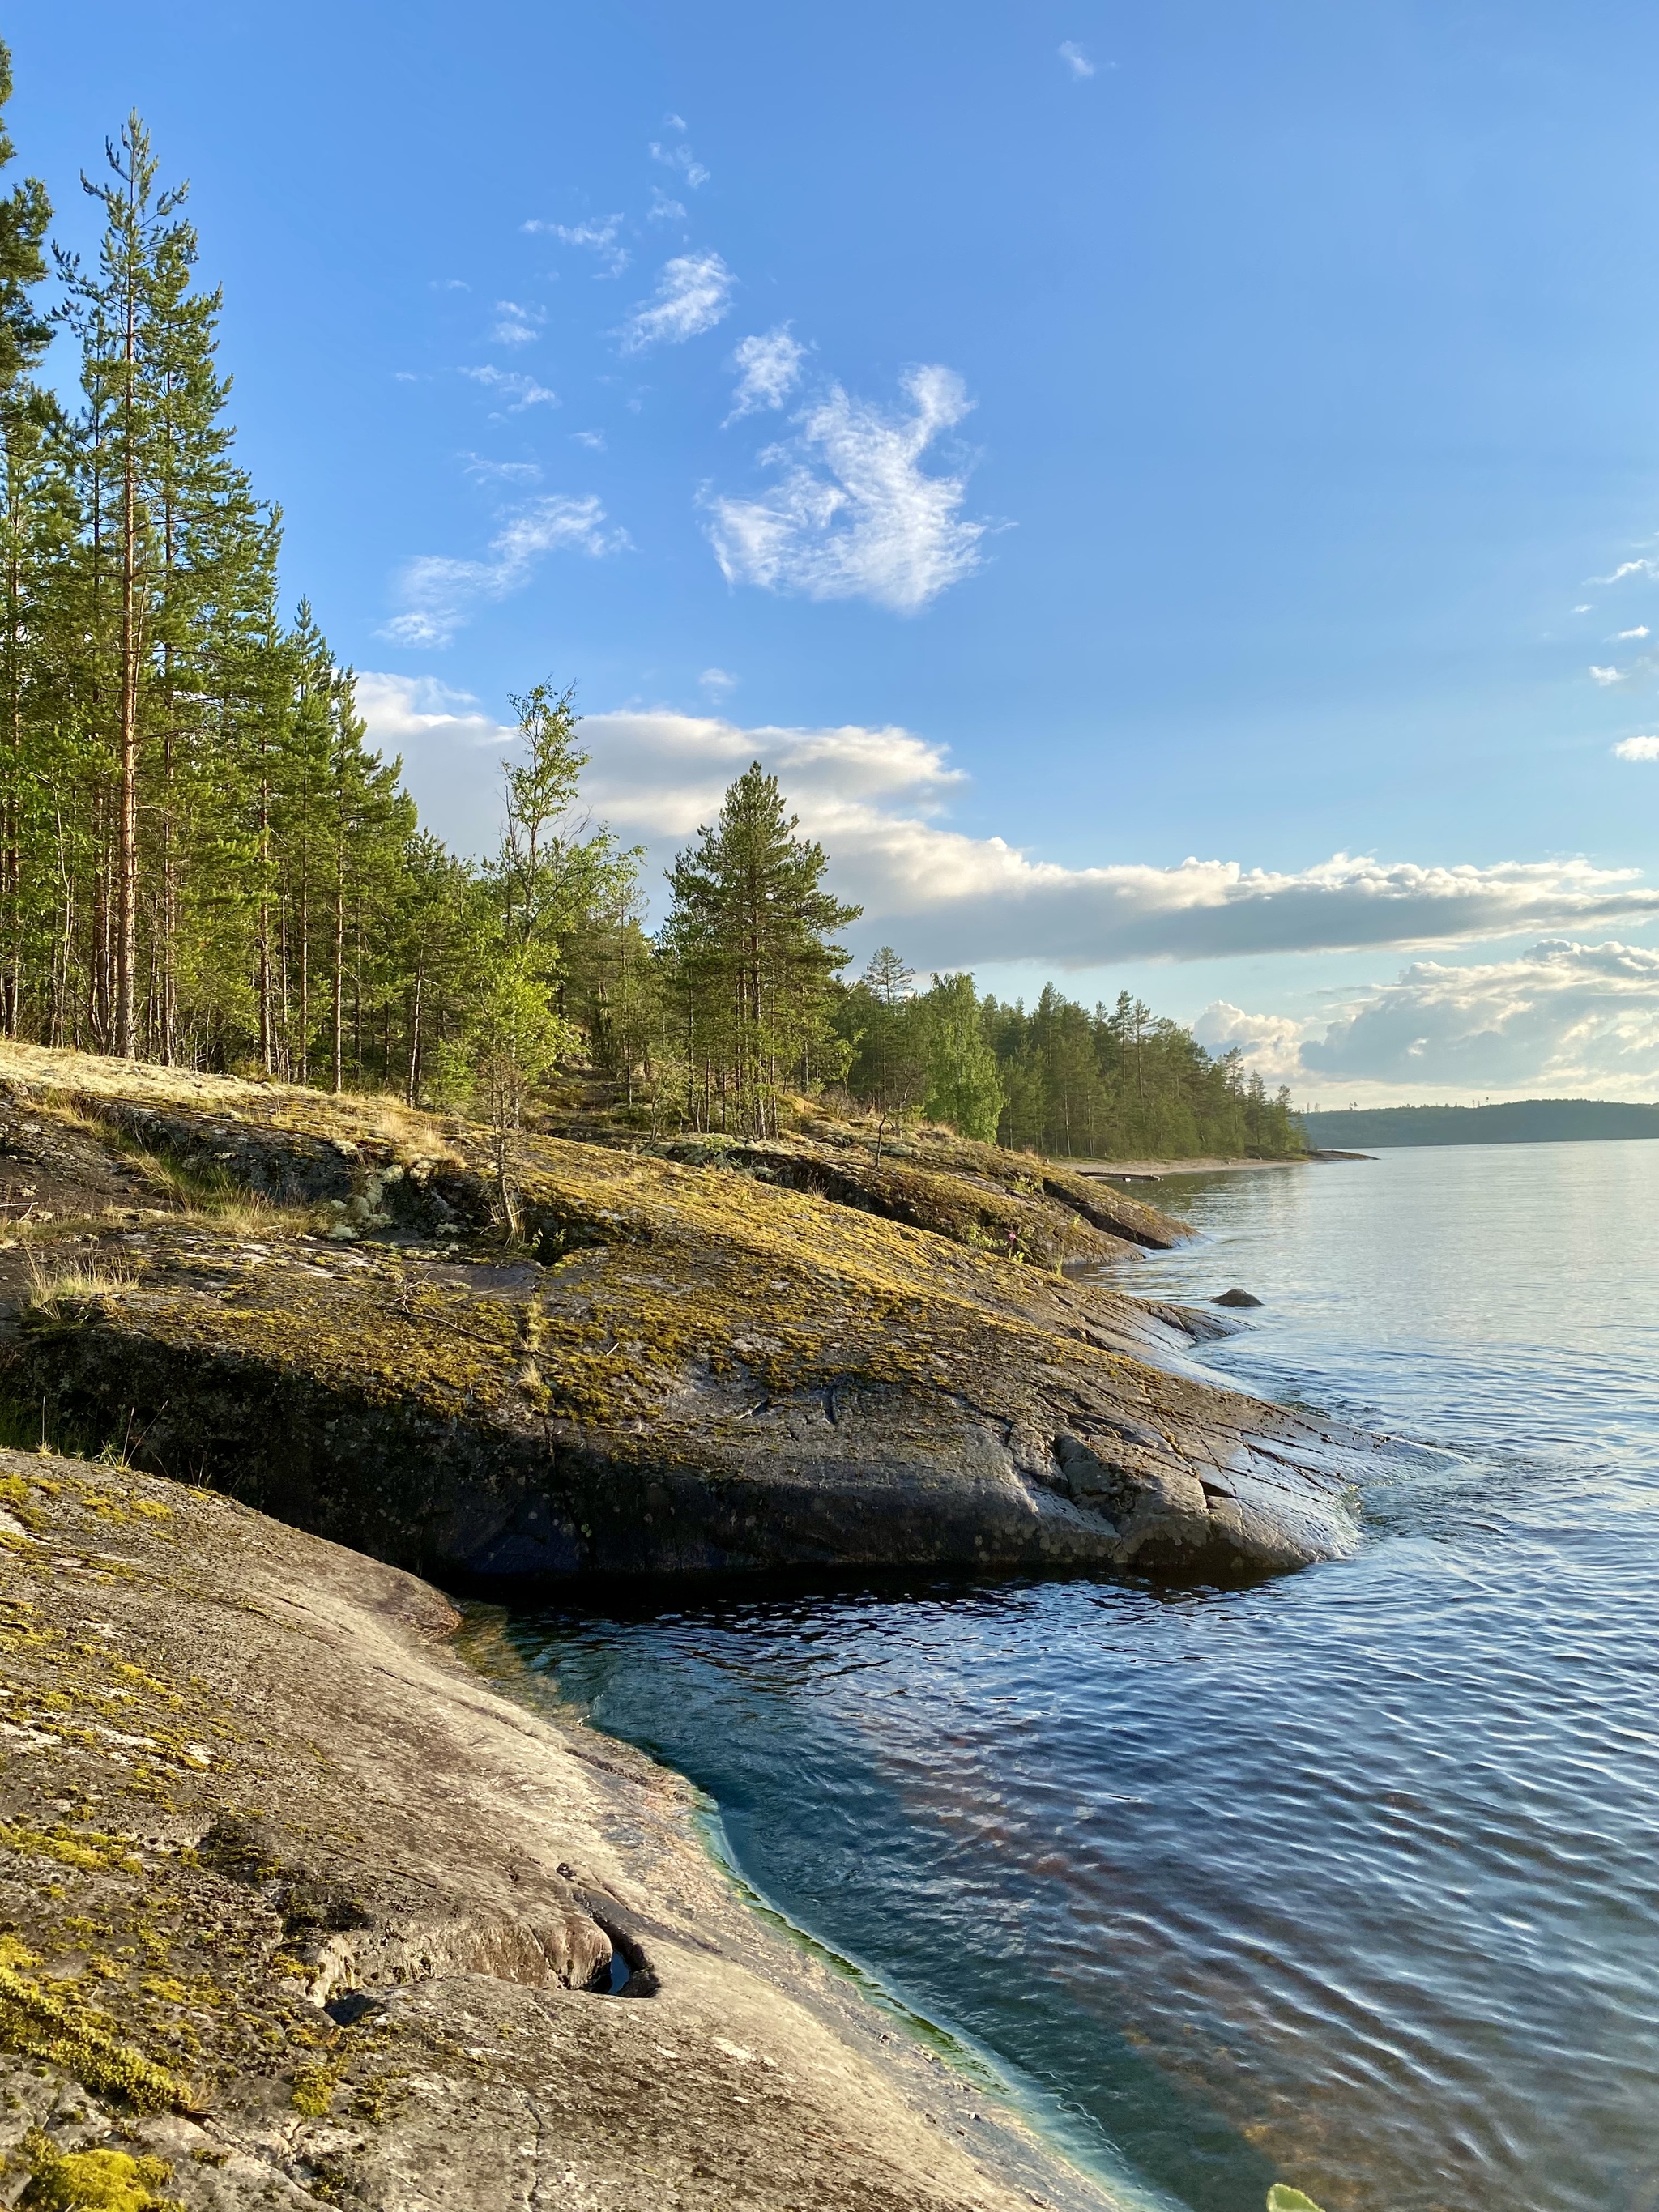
point(1351, 1879)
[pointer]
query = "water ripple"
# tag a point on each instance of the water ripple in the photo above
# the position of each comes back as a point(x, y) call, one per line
point(1348, 1879)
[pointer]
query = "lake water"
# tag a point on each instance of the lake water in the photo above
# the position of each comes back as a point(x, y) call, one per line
point(1351, 1879)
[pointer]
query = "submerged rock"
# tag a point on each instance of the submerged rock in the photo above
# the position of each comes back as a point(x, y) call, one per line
point(1235, 1298)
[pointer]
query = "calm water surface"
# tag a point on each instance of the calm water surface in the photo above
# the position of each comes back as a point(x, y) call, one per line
point(1351, 1879)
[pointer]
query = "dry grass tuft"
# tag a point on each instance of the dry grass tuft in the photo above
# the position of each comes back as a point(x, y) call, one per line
point(55, 1297)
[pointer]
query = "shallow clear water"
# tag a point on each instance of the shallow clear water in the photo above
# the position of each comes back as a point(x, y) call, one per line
point(1349, 1878)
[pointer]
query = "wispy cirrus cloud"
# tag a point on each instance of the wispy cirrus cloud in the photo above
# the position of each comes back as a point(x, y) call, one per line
point(768, 369)
point(693, 292)
point(682, 158)
point(856, 514)
point(1643, 567)
point(518, 392)
point(598, 236)
point(518, 325)
point(1076, 60)
point(438, 593)
point(480, 466)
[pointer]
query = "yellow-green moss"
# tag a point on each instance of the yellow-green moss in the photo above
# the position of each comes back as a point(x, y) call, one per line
point(313, 2090)
point(92, 2180)
point(50, 2023)
point(92, 1852)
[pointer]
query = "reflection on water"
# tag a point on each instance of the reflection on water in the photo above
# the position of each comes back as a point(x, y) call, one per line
point(1348, 1879)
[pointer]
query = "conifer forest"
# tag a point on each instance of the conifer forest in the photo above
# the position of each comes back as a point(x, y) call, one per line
point(205, 862)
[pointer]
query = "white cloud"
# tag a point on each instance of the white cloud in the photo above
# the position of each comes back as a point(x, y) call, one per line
point(681, 158)
point(855, 515)
point(1620, 636)
point(502, 471)
point(1604, 676)
point(518, 325)
point(716, 683)
point(663, 208)
point(1581, 611)
point(593, 439)
point(1270, 1044)
point(447, 284)
point(874, 796)
point(1076, 60)
point(769, 370)
point(403, 709)
point(518, 392)
point(694, 292)
point(1637, 749)
point(598, 237)
point(439, 592)
point(1560, 1016)
point(1565, 1017)
point(1627, 568)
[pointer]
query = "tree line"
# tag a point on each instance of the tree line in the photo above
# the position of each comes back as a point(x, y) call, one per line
point(203, 861)
point(1061, 1080)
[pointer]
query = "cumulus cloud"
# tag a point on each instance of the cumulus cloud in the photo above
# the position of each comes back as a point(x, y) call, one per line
point(1076, 60)
point(518, 392)
point(1565, 1017)
point(693, 293)
point(1620, 637)
point(597, 237)
point(1637, 749)
point(404, 710)
point(1606, 675)
point(768, 369)
point(1270, 1043)
point(879, 797)
point(438, 593)
point(875, 797)
point(856, 516)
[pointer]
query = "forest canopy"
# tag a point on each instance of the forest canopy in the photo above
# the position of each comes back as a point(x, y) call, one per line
point(203, 861)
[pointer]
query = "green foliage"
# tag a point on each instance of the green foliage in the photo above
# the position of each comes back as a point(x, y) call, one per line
point(1122, 1084)
point(1281, 2198)
point(964, 1087)
point(751, 965)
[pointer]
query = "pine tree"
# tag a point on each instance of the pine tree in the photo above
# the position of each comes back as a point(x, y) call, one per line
point(749, 933)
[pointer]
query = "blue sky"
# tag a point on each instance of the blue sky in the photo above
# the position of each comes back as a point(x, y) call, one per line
point(1066, 442)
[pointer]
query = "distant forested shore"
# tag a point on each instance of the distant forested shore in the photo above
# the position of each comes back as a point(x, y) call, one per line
point(1516, 1122)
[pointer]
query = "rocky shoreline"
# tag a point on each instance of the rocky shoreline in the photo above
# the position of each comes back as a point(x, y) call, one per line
point(749, 1359)
point(298, 1911)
